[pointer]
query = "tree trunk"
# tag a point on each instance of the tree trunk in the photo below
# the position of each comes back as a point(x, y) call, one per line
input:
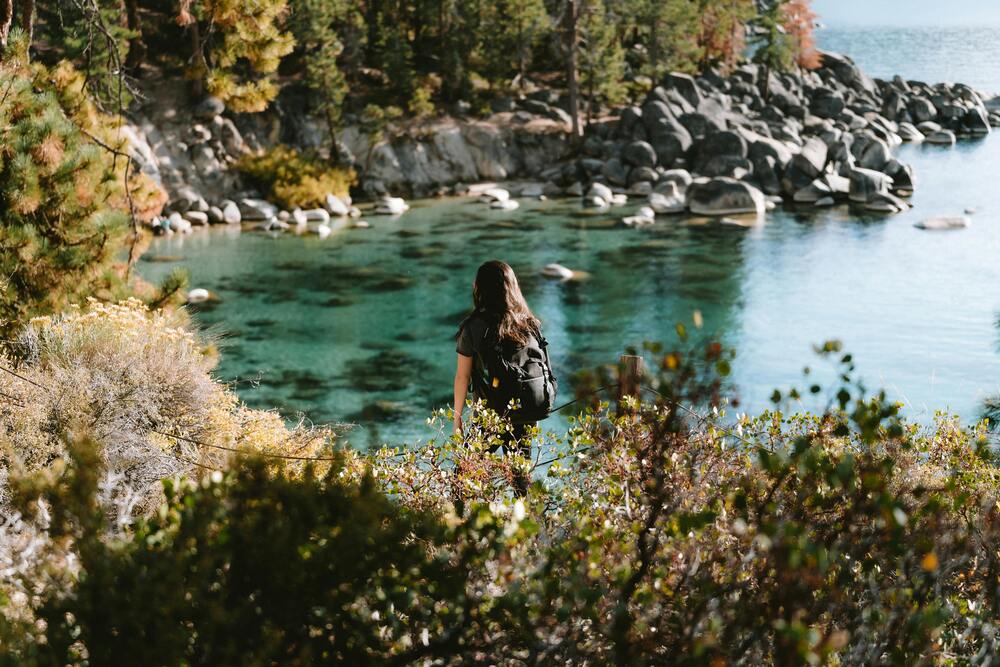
point(136, 47)
point(6, 18)
point(201, 64)
point(574, 88)
point(26, 21)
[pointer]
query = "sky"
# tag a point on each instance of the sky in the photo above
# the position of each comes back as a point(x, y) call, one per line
point(908, 12)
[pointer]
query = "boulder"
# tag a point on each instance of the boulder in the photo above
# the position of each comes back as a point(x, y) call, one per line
point(505, 205)
point(929, 127)
point(903, 178)
point(600, 191)
point(644, 216)
point(867, 184)
point(317, 215)
point(846, 72)
point(827, 104)
point(976, 121)
point(679, 179)
point(921, 110)
point(196, 218)
point(663, 204)
point(639, 154)
point(209, 108)
point(198, 295)
point(299, 217)
point(942, 138)
point(628, 119)
point(812, 158)
point(725, 196)
point(214, 215)
point(941, 223)
point(256, 209)
point(186, 199)
point(885, 202)
point(615, 172)
point(909, 133)
point(391, 206)
point(685, 85)
point(231, 213)
point(322, 230)
point(557, 272)
point(640, 174)
point(720, 144)
point(875, 155)
point(177, 223)
point(336, 206)
point(490, 195)
point(813, 192)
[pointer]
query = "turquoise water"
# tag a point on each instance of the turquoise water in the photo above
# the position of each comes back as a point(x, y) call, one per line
point(358, 327)
point(931, 54)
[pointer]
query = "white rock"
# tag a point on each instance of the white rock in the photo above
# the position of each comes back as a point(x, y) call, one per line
point(601, 191)
point(322, 230)
point(596, 202)
point(319, 215)
point(557, 271)
point(196, 218)
point(284, 216)
point(362, 224)
point(354, 212)
point(231, 213)
point(198, 295)
point(391, 206)
point(505, 205)
point(491, 195)
point(299, 217)
point(179, 224)
point(943, 222)
point(335, 206)
point(257, 209)
point(619, 199)
point(666, 204)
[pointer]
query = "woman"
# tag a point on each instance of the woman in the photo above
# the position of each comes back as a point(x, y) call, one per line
point(501, 349)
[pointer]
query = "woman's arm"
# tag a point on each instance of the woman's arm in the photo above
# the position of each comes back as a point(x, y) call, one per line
point(463, 371)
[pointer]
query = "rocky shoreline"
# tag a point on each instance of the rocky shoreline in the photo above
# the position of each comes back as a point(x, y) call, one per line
point(708, 145)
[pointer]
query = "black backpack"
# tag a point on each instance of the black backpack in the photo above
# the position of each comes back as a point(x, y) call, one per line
point(519, 373)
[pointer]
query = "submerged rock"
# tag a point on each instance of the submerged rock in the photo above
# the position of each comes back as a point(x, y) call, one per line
point(391, 206)
point(505, 205)
point(557, 271)
point(943, 222)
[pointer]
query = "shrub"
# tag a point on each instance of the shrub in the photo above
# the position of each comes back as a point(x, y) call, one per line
point(294, 179)
point(661, 531)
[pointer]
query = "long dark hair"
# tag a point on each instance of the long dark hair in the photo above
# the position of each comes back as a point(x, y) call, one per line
point(497, 294)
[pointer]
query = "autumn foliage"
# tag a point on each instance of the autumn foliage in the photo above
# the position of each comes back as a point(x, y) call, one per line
point(800, 22)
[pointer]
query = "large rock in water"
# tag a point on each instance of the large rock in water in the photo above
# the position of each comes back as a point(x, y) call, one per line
point(257, 209)
point(725, 196)
point(867, 184)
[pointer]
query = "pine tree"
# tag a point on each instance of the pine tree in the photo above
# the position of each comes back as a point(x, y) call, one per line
point(237, 46)
point(510, 30)
point(774, 47)
point(62, 198)
point(800, 23)
point(601, 57)
point(668, 30)
point(314, 25)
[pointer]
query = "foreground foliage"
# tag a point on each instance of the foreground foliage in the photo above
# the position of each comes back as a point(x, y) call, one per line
point(63, 200)
point(660, 530)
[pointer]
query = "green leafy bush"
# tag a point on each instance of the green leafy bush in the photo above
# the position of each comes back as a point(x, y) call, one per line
point(293, 179)
point(657, 531)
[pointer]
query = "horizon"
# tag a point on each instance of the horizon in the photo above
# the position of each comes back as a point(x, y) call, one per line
point(906, 13)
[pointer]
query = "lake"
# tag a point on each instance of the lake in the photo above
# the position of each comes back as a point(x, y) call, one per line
point(359, 327)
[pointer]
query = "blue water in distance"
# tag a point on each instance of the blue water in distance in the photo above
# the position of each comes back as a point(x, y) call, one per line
point(358, 327)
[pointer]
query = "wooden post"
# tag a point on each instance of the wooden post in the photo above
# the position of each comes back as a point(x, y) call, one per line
point(630, 371)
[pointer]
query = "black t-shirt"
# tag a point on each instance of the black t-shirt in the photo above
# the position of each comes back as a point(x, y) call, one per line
point(469, 343)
